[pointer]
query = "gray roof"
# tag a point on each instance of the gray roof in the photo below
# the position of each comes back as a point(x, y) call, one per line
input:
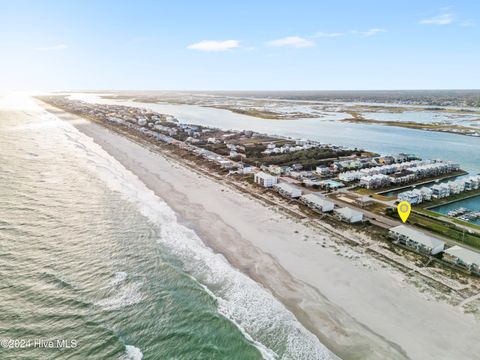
point(348, 212)
point(418, 236)
point(467, 256)
point(317, 200)
point(287, 187)
point(264, 175)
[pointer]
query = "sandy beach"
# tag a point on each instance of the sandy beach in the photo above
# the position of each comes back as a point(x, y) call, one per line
point(357, 306)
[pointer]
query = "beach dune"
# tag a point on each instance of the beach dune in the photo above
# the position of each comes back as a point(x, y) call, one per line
point(354, 305)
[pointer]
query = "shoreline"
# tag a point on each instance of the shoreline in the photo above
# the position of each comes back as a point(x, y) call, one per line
point(356, 117)
point(451, 129)
point(374, 138)
point(255, 240)
point(430, 207)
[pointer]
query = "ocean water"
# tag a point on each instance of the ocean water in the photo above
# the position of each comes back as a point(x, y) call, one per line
point(89, 255)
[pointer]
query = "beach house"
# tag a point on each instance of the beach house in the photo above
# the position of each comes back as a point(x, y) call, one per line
point(317, 202)
point(413, 196)
point(416, 240)
point(287, 190)
point(264, 179)
point(375, 181)
point(463, 257)
point(440, 191)
point(350, 176)
point(245, 169)
point(426, 193)
point(323, 170)
point(456, 187)
point(275, 169)
point(348, 215)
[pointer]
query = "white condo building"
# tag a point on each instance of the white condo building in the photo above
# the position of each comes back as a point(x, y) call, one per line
point(264, 179)
point(463, 257)
point(288, 190)
point(348, 215)
point(417, 240)
point(317, 202)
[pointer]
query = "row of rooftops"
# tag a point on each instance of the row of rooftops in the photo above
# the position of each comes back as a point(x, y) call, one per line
point(438, 191)
point(286, 148)
point(458, 254)
point(416, 169)
point(467, 257)
point(313, 200)
point(368, 162)
point(319, 203)
point(418, 237)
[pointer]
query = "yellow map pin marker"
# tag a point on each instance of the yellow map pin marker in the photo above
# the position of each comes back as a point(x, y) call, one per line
point(404, 209)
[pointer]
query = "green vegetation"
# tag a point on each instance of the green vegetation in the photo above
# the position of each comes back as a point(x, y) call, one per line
point(466, 223)
point(436, 225)
point(363, 191)
point(383, 197)
point(360, 190)
point(456, 129)
point(264, 114)
point(308, 158)
point(377, 208)
point(426, 212)
point(398, 109)
point(220, 149)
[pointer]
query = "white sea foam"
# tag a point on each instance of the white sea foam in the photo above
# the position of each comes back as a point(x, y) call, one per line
point(261, 317)
point(265, 351)
point(119, 277)
point(127, 295)
point(123, 293)
point(132, 353)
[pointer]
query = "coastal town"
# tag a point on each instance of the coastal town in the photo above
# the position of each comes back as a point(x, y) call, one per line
point(337, 184)
point(442, 118)
point(254, 180)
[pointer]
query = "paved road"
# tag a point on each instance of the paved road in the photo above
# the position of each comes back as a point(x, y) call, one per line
point(387, 223)
point(377, 219)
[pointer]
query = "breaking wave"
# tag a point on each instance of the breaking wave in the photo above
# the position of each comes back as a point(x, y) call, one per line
point(132, 353)
point(263, 320)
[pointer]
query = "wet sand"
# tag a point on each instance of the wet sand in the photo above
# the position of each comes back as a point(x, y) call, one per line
point(356, 306)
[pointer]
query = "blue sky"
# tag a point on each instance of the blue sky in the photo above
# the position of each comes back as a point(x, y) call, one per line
point(244, 45)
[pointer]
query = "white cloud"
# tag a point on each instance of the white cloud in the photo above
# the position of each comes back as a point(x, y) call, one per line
point(332, 34)
point(293, 41)
point(53, 47)
point(370, 32)
point(443, 19)
point(213, 45)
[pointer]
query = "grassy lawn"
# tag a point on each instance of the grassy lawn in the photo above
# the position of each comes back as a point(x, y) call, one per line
point(466, 223)
point(377, 208)
point(362, 191)
point(444, 229)
point(426, 212)
point(383, 197)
